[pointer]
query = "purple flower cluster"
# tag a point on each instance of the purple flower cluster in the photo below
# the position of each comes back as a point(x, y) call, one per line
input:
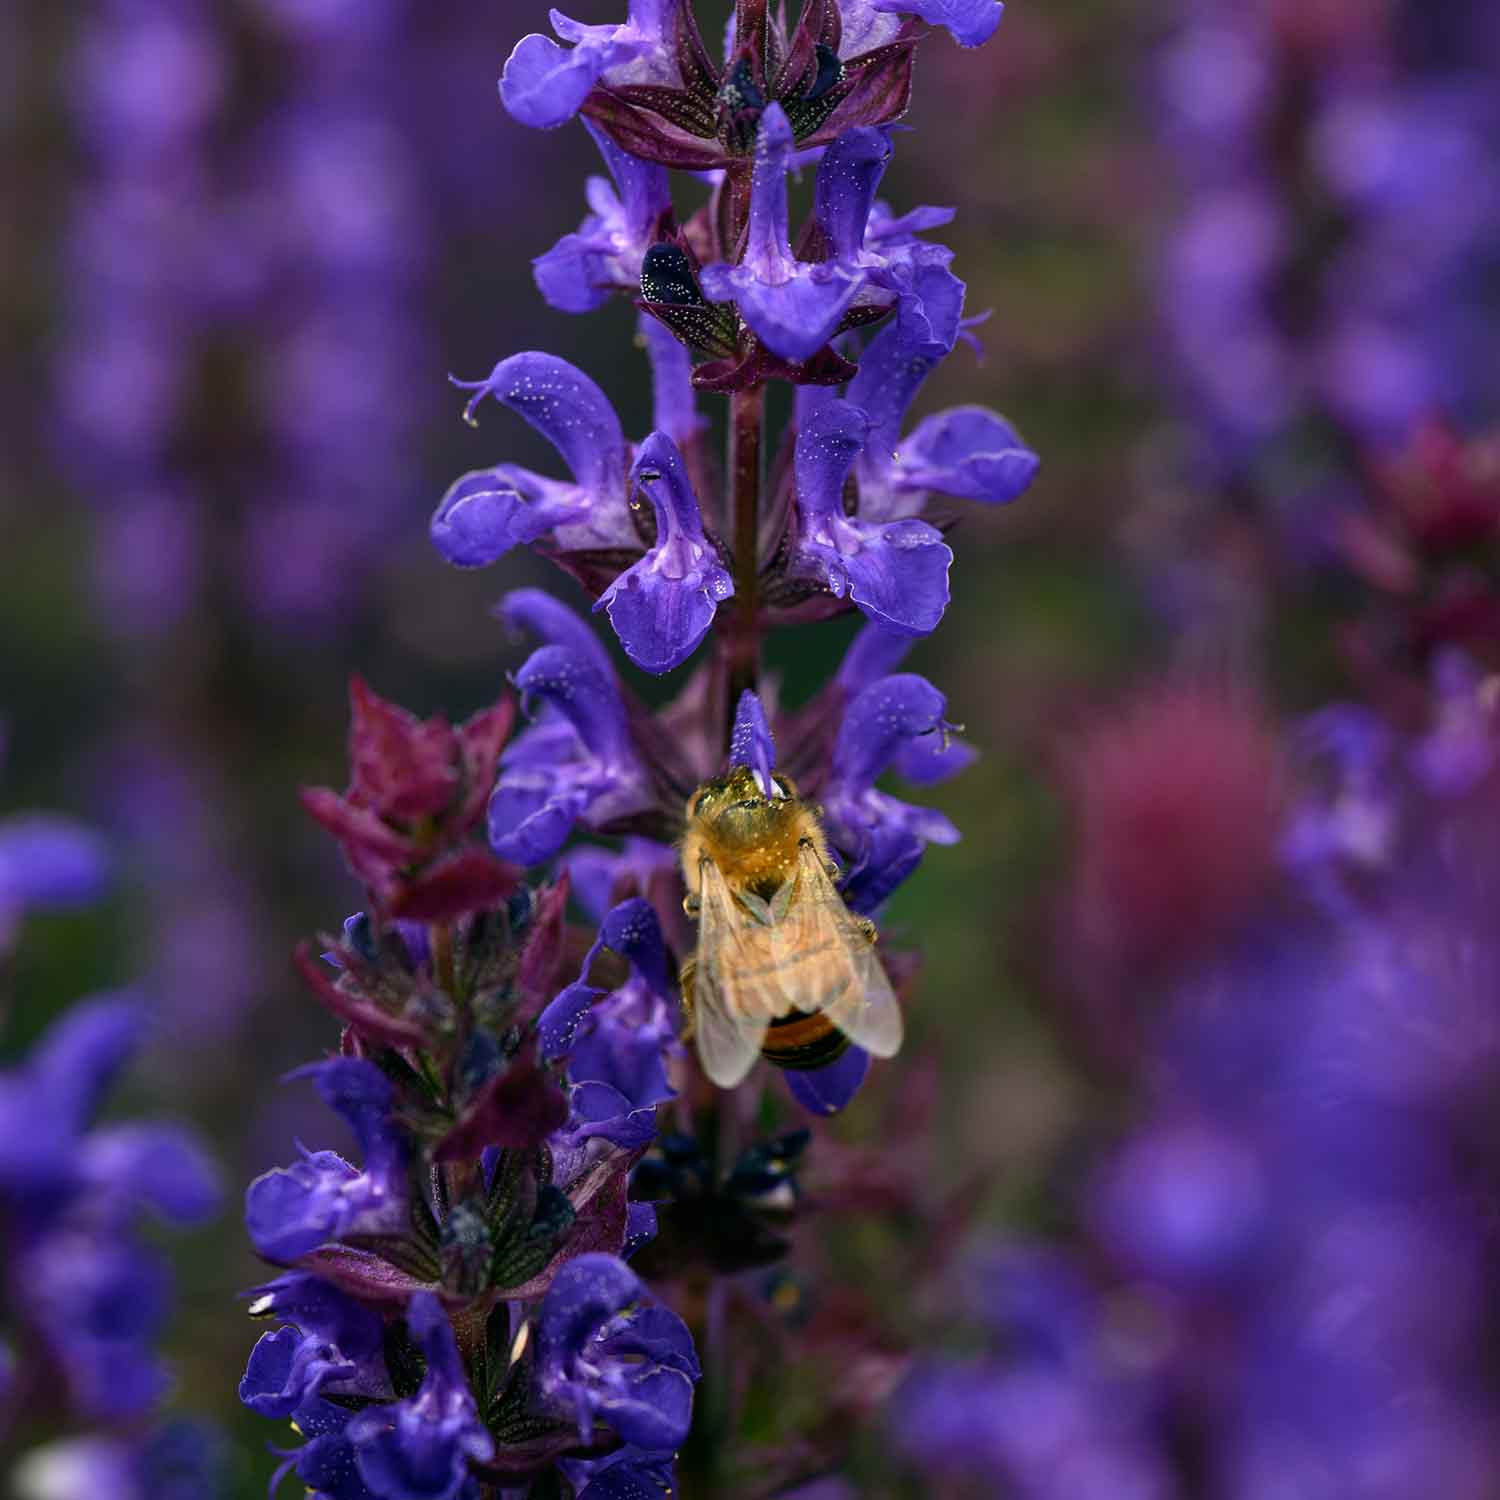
point(645, 527)
point(333, 188)
point(83, 1293)
point(1280, 1279)
point(84, 1296)
point(1339, 211)
point(455, 1314)
point(146, 269)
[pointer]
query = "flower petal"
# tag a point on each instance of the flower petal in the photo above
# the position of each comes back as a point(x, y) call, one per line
point(662, 606)
point(897, 574)
point(543, 615)
point(675, 406)
point(750, 742)
point(848, 178)
point(970, 22)
point(967, 451)
point(544, 85)
point(880, 722)
point(891, 372)
point(48, 861)
point(486, 512)
point(825, 1091)
point(568, 409)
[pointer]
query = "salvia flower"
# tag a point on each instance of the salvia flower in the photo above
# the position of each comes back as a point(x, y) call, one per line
point(897, 573)
point(576, 764)
point(607, 1354)
point(86, 1296)
point(794, 307)
point(292, 1210)
point(751, 744)
point(971, 22)
point(486, 513)
point(545, 85)
point(662, 606)
point(328, 1339)
point(578, 274)
point(508, 1074)
point(968, 451)
point(883, 837)
point(663, 95)
point(883, 251)
point(620, 1039)
point(419, 1449)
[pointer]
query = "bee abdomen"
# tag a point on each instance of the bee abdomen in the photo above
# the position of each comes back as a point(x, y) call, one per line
point(801, 1042)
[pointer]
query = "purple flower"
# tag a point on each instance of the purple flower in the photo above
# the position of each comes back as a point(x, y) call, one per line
point(487, 512)
point(48, 863)
point(674, 405)
point(1348, 823)
point(620, 1039)
point(1184, 1202)
point(420, 1449)
point(967, 451)
point(602, 877)
point(88, 1295)
point(897, 573)
point(794, 307)
point(616, 1042)
point(578, 274)
point(630, 1474)
point(544, 85)
point(99, 1303)
point(868, 241)
point(325, 1461)
point(970, 22)
point(1460, 750)
point(330, 1339)
point(750, 743)
point(176, 1461)
point(662, 606)
point(607, 1353)
point(48, 1157)
point(882, 837)
point(292, 1210)
point(826, 1091)
point(575, 764)
point(48, 1102)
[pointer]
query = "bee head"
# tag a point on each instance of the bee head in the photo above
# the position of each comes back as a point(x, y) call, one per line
point(735, 810)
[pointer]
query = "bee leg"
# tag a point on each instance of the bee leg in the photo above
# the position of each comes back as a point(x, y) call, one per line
point(690, 905)
point(868, 928)
point(685, 979)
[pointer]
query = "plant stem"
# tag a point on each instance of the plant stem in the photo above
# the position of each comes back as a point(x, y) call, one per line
point(747, 411)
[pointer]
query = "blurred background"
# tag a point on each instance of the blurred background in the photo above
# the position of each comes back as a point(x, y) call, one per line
point(1240, 256)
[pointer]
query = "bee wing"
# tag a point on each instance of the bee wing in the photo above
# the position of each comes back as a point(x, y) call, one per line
point(735, 995)
point(851, 989)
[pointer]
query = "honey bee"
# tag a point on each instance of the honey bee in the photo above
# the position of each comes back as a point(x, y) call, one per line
point(783, 970)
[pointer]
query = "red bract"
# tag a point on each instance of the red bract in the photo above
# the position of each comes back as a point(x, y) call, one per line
point(418, 790)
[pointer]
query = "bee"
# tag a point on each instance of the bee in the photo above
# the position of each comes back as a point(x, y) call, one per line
point(783, 970)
